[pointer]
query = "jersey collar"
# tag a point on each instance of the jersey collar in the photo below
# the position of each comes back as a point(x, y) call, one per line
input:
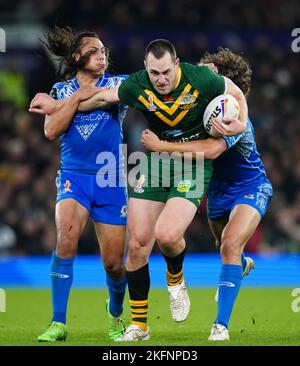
point(178, 77)
point(98, 84)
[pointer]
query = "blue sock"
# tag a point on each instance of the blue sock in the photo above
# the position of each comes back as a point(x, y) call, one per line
point(61, 282)
point(243, 261)
point(229, 285)
point(116, 291)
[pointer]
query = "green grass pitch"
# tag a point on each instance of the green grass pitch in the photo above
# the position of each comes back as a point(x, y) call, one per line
point(260, 317)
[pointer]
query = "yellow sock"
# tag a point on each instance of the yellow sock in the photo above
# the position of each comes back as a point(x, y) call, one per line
point(139, 313)
point(174, 279)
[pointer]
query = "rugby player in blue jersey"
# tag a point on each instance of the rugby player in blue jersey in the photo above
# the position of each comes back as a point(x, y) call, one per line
point(81, 190)
point(239, 192)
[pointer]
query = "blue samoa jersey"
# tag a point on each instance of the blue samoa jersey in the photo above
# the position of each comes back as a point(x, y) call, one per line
point(239, 177)
point(239, 167)
point(92, 142)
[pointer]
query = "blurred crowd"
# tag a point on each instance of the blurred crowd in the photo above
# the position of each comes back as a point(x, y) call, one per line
point(28, 162)
point(213, 14)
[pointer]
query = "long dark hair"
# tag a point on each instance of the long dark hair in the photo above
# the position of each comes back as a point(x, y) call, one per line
point(65, 43)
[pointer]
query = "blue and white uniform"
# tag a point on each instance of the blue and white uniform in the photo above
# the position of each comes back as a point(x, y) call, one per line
point(239, 177)
point(92, 166)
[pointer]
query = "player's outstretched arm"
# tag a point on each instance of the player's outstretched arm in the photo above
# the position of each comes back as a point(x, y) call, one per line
point(43, 104)
point(58, 122)
point(100, 100)
point(211, 147)
point(233, 126)
point(59, 113)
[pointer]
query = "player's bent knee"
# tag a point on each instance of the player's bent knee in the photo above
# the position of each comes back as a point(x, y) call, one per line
point(114, 270)
point(136, 256)
point(230, 247)
point(231, 241)
point(66, 244)
point(166, 238)
point(137, 242)
point(65, 252)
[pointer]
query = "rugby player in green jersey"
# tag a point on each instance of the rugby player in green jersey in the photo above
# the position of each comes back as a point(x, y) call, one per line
point(172, 96)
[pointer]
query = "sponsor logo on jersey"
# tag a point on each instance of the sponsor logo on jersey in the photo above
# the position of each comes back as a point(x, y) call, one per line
point(67, 186)
point(140, 182)
point(124, 211)
point(251, 196)
point(184, 186)
point(187, 99)
point(151, 107)
point(94, 117)
point(85, 131)
point(188, 106)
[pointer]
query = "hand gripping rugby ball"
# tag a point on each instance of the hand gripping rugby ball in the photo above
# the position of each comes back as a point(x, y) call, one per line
point(223, 106)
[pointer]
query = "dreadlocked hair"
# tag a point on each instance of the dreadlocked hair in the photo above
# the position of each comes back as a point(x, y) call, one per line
point(231, 65)
point(65, 43)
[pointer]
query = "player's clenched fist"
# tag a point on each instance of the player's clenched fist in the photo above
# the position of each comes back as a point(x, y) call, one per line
point(150, 140)
point(43, 104)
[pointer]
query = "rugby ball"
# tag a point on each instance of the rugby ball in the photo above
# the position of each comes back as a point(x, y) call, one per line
point(223, 106)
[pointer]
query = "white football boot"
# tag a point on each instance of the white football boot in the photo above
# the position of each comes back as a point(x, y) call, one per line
point(218, 333)
point(134, 333)
point(248, 267)
point(179, 302)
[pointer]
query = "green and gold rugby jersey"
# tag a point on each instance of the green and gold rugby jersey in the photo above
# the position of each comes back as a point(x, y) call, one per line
point(180, 111)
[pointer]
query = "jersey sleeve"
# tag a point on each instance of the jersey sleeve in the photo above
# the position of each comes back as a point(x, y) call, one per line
point(118, 80)
point(129, 91)
point(212, 83)
point(206, 80)
point(53, 92)
point(57, 91)
point(232, 140)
